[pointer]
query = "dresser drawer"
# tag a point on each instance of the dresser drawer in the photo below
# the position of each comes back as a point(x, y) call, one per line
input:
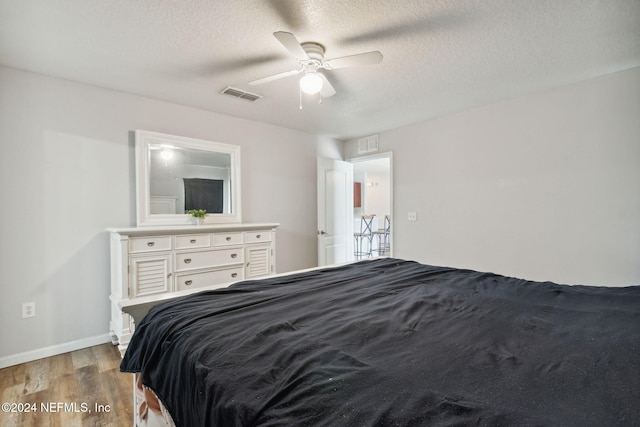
point(220, 239)
point(207, 259)
point(188, 241)
point(209, 278)
point(149, 244)
point(257, 236)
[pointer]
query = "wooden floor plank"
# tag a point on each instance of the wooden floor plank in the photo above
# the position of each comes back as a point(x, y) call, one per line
point(11, 394)
point(92, 391)
point(43, 418)
point(60, 365)
point(36, 375)
point(82, 358)
point(104, 354)
point(114, 383)
point(68, 388)
point(11, 376)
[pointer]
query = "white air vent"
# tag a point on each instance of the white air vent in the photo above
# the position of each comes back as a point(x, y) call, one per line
point(239, 93)
point(368, 144)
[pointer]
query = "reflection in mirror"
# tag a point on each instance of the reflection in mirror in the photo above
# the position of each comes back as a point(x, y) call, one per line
point(176, 174)
point(181, 179)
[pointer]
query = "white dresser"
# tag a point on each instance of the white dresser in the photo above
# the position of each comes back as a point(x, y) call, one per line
point(151, 264)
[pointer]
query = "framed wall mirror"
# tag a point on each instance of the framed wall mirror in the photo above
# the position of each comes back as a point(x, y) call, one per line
point(175, 174)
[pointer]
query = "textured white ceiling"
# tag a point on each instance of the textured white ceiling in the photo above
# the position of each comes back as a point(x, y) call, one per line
point(440, 56)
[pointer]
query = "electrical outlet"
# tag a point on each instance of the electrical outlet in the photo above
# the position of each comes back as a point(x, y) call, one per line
point(28, 309)
point(412, 216)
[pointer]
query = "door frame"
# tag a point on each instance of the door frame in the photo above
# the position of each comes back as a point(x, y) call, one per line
point(378, 156)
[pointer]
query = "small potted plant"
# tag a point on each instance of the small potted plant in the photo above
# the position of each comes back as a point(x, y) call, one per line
point(198, 214)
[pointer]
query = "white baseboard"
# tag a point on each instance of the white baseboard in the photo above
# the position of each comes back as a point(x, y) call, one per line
point(53, 350)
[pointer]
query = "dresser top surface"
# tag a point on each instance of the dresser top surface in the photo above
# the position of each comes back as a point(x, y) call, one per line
point(191, 229)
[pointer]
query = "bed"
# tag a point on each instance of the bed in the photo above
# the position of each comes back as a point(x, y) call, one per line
point(390, 342)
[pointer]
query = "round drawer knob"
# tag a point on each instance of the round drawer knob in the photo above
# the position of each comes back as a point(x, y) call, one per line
point(188, 282)
point(234, 255)
point(228, 238)
point(234, 275)
point(187, 260)
point(193, 241)
point(151, 243)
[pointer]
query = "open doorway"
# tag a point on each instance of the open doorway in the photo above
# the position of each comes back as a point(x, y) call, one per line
point(373, 205)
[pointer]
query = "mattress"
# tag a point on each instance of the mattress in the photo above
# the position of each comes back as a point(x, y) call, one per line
point(390, 342)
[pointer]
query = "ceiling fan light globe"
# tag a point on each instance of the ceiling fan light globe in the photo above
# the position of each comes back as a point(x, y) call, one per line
point(311, 83)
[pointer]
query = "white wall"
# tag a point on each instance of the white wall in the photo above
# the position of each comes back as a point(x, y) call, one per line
point(377, 196)
point(543, 187)
point(67, 173)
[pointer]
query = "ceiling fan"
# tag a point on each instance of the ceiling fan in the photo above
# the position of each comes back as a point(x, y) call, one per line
point(310, 56)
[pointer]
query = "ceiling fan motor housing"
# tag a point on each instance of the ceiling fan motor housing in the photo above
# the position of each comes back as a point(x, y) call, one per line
point(315, 52)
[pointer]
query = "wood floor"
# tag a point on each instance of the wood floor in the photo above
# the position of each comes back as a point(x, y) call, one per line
point(81, 388)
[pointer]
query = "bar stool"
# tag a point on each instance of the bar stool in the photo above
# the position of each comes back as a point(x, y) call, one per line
point(383, 237)
point(364, 235)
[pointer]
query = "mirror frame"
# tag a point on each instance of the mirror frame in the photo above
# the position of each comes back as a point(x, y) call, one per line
point(143, 140)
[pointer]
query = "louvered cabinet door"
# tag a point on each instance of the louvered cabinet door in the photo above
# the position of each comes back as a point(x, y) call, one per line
point(258, 261)
point(150, 275)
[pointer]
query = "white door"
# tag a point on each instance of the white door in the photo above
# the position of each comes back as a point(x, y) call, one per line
point(335, 211)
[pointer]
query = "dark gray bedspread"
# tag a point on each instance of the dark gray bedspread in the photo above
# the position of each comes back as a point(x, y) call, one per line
point(394, 343)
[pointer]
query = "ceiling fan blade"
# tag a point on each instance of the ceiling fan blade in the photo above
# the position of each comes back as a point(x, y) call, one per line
point(327, 89)
point(275, 77)
point(368, 58)
point(292, 44)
